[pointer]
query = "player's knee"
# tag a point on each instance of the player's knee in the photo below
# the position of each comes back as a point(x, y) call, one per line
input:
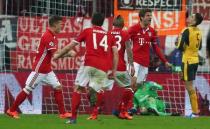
point(28, 89)
point(78, 88)
point(58, 87)
point(191, 91)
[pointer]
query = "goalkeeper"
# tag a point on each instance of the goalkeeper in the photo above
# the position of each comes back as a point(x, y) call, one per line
point(147, 100)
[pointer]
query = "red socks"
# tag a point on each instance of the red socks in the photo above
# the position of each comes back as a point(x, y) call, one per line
point(20, 98)
point(100, 97)
point(75, 102)
point(126, 100)
point(59, 100)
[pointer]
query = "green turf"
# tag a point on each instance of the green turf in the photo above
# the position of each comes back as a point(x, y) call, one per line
point(104, 122)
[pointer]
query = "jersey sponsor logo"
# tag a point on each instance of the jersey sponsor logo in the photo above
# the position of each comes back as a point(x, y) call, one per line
point(142, 41)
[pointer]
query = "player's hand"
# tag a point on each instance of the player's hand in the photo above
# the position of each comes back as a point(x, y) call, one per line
point(168, 65)
point(112, 75)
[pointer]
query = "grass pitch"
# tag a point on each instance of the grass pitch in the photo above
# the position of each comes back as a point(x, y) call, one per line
point(104, 122)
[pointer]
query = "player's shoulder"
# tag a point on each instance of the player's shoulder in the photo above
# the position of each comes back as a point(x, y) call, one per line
point(124, 32)
point(134, 27)
point(185, 29)
point(151, 29)
point(198, 30)
point(87, 29)
point(47, 36)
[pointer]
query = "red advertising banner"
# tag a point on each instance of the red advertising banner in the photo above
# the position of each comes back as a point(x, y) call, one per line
point(29, 32)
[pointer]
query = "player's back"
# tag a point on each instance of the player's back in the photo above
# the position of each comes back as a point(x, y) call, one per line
point(190, 53)
point(42, 63)
point(98, 47)
point(120, 38)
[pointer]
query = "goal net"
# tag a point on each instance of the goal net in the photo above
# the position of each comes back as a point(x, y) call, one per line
point(23, 22)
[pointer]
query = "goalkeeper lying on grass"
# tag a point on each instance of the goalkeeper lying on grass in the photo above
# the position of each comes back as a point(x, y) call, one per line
point(147, 100)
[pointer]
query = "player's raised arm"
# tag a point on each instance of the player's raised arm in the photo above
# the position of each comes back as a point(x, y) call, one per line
point(66, 51)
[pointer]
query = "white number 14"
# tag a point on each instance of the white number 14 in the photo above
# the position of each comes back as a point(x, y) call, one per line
point(102, 43)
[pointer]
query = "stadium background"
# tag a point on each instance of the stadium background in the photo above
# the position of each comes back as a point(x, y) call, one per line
point(22, 22)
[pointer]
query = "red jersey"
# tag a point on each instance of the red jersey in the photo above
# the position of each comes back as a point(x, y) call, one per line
point(99, 45)
point(120, 38)
point(142, 40)
point(47, 47)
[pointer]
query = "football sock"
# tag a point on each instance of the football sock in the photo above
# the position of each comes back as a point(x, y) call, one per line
point(99, 102)
point(59, 100)
point(127, 98)
point(194, 101)
point(76, 99)
point(20, 98)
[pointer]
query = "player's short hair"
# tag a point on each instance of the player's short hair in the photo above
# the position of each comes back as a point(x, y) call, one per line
point(198, 18)
point(54, 19)
point(142, 12)
point(118, 21)
point(97, 19)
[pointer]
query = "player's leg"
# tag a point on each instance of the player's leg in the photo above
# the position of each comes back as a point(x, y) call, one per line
point(134, 78)
point(189, 73)
point(32, 81)
point(97, 83)
point(109, 83)
point(81, 82)
point(75, 103)
point(139, 76)
point(52, 80)
point(99, 96)
point(96, 100)
point(123, 79)
point(142, 75)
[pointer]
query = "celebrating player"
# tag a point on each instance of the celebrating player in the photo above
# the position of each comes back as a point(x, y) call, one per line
point(190, 43)
point(99, 46)
point(123, 78)
point(143, 36)
point(42, 72)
